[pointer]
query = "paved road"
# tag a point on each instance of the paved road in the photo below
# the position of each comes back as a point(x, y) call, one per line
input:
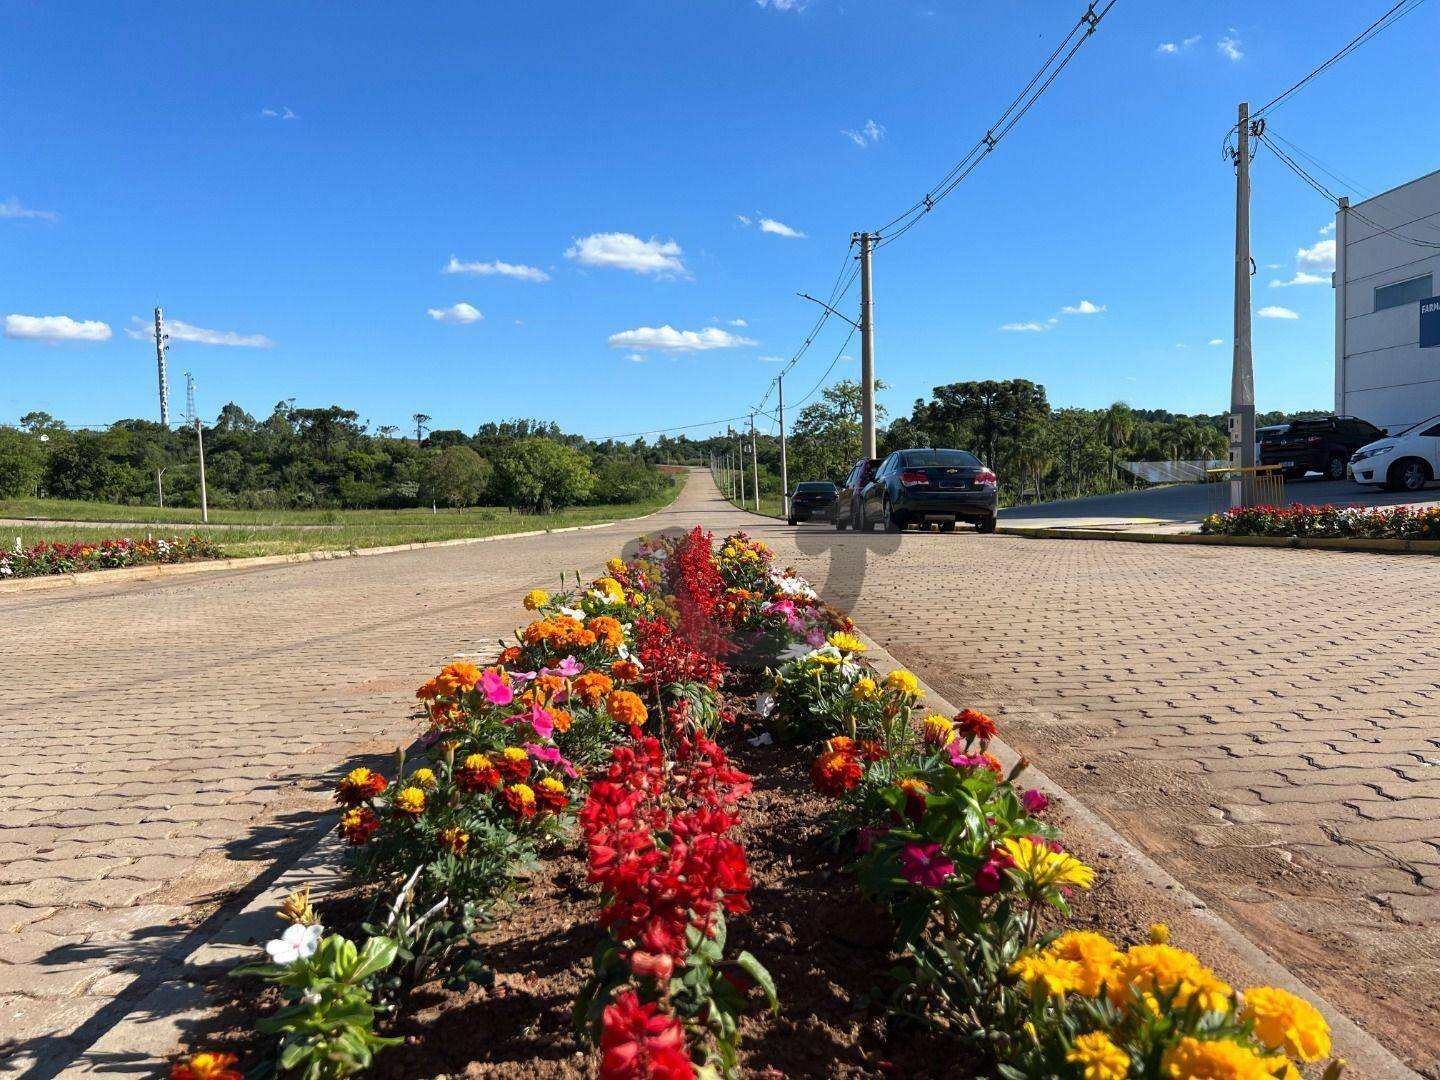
point(1180, 507)
point(1262, 721)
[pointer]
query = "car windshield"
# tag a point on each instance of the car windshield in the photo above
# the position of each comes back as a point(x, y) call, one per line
point(1321, 423)
point(922, 458)
point(1412, 427)
point(815, 485)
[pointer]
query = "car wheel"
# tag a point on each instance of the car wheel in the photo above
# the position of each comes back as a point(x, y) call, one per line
point(947, 526)
point(1335, 467)
point(1410, 474)
point(841, 520)
point(891, 525)
point(791, 521)
point(986, 524)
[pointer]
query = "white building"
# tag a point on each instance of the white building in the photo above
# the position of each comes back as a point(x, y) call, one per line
point(1387, 260)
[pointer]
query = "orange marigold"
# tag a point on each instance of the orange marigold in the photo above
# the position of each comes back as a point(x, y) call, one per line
point(427, 690)
point(974, 724)
point(206, 1066)
point(625, 670)
point(835, 772)
point(592, 687)
point(457, 677)
point(607, 630)
point(358, 786)
point(561, 719)
point(625, 707)
point(520, 798)
point(511, 655)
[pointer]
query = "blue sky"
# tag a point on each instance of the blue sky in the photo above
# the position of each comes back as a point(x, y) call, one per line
point(290, 182)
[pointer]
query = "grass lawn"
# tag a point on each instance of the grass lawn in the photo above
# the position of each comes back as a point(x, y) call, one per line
point(287, 532)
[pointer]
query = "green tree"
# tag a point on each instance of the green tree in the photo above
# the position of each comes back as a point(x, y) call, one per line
point(984, 414)
point(22, 463)
point(539, 474)
point(1117, 425)
point(455, 476)
point(826, 438)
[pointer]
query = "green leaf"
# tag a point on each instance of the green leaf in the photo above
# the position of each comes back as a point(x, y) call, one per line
point(377, 955)
point(747, 963)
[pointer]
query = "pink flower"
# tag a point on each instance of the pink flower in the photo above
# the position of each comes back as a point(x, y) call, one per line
point(551, 756)
point(925, 865)
point(989, 879)
point(570, 667)
point(497, 690)
point(1033, 801)
point(865, 839)
point(540, 721)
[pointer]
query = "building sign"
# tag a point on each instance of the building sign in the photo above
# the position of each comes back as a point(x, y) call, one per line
point(1430, 323)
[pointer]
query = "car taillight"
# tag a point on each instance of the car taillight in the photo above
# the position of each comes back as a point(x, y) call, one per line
point(985, 478)
point(912, 477)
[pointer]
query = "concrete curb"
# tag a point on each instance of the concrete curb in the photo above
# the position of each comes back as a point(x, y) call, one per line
point(145, 573)
point(151, 1033)
point(1378, 547)
point(1363, 1054)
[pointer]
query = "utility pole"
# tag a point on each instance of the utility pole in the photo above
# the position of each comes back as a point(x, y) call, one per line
point(199, 443)
point(784, 472)
point(755, 462)
point(161, 339)
point(740, 463)
point(1242, 373)
point(867, 351)
point(160, 486)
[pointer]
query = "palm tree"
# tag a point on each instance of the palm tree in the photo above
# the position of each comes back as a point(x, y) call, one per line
point(1117, 424)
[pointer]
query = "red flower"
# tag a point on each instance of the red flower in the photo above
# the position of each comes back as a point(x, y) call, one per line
point(835, 772)
point(975, 725)
point(638, 1042)
point(358, 824)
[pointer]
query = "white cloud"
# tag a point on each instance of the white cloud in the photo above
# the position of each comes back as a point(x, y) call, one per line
point(1327, 228)
point(625, 251)
point(772, 359)
point(1320, 255)
point(783, 5)
point(743, 219)
point(1217, 341)
point(13, 208)
point(461, 314)
point(868, 135)
point(1084, 307)
point(283, 113)
point(1022, 326)
point(519, 271)
point(1229, 47)
point(1052, 320)
point(668, 339)
point(1301, 278)
point(177, 330)
point(1193, 39)
point(779, 228)
point(737, 322)
point(635, 358)
point(54, 328)
point(1170, 48)
point(1274, 312)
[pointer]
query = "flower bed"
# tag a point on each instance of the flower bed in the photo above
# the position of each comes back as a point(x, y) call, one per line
point(49, 558)
point(600, 730)
point(1327, 522)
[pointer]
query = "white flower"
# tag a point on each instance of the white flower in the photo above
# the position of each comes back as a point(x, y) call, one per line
point(764, 705)
point(299, 942)
point(792, 586)
point(763, 739)
point(573, 612)
point(605, 599)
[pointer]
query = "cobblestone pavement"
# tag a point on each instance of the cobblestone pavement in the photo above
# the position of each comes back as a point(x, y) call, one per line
point(1263, 722)
point(163, 743)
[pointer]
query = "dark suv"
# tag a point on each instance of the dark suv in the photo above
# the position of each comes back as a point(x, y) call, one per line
point(1323, 444)
point(812, 498)
point(847, 499)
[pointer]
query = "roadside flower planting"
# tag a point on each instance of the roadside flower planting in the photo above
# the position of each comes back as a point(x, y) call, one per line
point(53, 558)
point(601, 728)
point(1327, 522)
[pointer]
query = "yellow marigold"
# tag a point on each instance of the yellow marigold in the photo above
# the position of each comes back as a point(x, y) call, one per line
point(1286, 1022)
point(625, 707)
point(454, 839)
point(846, 642)
point(1095, 955)
point(536, 599)
point(298, 909)
point(514, 754)
point(206, 1065)
point(936, 730)
point(1045, 975)
point(476, 762)
point(1159, 934)
point(423, 778)
point(1046, 867)
point(1214, 1059)
point(865, 689)
point(1098, 1057)
point(610, 587)
point(1164, 969)
point(904, 682)
point(616, 565)
point(410, 802)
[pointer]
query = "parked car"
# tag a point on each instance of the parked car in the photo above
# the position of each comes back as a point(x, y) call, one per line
point(812, 498)
point(1263, 434)
point(847, 498)
point(1323, 444)
point(1405, 461)
point(914, 487)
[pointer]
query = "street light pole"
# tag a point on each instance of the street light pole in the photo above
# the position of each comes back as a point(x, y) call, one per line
point(784, 470)
point(1242, 373)
point(755, 462)
point(867, 351)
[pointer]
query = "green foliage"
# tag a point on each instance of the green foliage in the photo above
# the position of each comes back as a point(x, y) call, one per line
point(455, 476)
point(22, 463)
point(328, 1030)
point(539, 474)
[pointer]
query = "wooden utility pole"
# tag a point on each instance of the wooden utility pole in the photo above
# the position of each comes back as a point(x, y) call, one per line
point(784, 470)
point(1242, 373)
point(755, 462)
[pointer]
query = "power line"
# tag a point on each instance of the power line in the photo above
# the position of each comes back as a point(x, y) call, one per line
point(1022, 103)
point(1390, 18)
point(678, 427)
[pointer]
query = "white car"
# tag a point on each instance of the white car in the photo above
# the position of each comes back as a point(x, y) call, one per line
point(1405, 461)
